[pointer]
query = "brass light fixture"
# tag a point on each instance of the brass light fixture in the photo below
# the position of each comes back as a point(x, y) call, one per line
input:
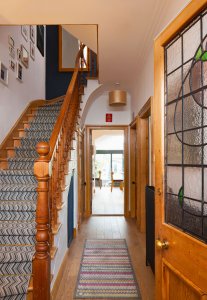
point(117, 98)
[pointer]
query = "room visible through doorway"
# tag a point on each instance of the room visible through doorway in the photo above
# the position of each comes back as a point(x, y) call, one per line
point(108, 172)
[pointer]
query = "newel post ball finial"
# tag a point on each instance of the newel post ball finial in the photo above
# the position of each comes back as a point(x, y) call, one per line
point(43, 149)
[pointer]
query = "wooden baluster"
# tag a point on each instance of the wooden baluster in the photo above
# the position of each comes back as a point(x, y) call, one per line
point(50, 197)
point(41, 263)
point(58, 189)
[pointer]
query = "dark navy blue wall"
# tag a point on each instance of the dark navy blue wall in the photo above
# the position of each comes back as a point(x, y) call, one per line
point(56, 82)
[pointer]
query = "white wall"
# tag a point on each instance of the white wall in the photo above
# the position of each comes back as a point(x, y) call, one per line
point(97, 112)
point(61, 239)
point(15, 96)
point(143, 87)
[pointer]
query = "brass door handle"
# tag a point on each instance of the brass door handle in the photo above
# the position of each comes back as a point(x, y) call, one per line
point(162, 244)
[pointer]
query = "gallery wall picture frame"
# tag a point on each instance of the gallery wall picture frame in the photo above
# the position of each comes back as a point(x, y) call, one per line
point(18, 54)
point(12, 65)
point(24, 56)
point(19, 72)
point(32, 51)
point(4, 74)
point(11, 41)
point(24, 31)
point(32, 33)
point(40, 38)
point(12, 52)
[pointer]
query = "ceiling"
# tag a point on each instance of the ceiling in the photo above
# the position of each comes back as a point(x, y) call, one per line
point(126, 28)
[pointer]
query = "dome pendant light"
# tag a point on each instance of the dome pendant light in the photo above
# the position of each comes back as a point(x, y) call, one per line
point(117, 98)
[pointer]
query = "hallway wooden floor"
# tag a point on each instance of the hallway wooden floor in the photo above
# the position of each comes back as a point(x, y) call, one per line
point(107, 228)
point(106, 202)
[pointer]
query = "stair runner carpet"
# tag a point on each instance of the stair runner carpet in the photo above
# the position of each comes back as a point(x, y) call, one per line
point(106, 271)
point(18, 207)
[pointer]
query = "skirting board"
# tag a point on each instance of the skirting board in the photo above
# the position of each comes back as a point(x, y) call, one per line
point(59, 277)
point(74, 232)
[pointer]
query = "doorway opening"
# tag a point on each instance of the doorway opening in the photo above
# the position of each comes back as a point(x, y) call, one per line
point(108, 172)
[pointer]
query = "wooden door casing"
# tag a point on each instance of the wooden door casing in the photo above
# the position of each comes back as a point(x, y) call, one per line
point(81, 177)
point(88, 165)
point(181, 269)
point(133, 169)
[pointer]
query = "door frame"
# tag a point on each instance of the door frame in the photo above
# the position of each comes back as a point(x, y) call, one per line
point(142, 162)
point(139, 163)
point(182, 239)
point(133, 168)
point(88, 130)
point(81, 176)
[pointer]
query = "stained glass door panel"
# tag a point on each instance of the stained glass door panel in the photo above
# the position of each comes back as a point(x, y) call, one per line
point(186, 129)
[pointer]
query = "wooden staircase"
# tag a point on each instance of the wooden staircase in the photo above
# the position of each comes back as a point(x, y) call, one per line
point(50, 169)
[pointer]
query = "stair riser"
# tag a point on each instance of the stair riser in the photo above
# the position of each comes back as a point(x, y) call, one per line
point(17, 216)
point(30, 118)
point(17, 143)
point(17, 179)
point(18, 195)
point(26, 125)
point(14, 287)
point(22, 133)
point(15, 268)
point(33, 142)
point(3, 165)
point(17, 240)
point(10, 153)
point(25, 153)
point(21, 166)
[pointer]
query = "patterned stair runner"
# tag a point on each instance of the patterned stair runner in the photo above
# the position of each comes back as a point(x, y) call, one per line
point(18, 207)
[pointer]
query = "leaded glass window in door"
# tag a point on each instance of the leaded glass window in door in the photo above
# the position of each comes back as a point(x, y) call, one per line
point(186, 129)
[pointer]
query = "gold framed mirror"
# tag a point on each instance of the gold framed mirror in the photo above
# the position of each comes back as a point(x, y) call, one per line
point(68, 47)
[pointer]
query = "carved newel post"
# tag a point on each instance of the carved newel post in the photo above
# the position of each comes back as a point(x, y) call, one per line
point(41, 264)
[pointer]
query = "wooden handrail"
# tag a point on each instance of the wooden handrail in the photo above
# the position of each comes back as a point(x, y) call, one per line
point(65, 105)
point(50, 170)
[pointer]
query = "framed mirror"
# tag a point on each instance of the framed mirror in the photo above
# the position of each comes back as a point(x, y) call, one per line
point(68, 49)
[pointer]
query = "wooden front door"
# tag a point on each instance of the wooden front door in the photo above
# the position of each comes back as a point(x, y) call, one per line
point(180, 148)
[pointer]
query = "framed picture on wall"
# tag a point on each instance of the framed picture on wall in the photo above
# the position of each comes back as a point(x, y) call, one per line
point(32, 33)
point(19, 54)
point(12, 52)
point(24, 56)
point(24, 30)
point(4, 74)
point(12, 65)
point(19, 72)
point(32, 51)
point(40, 38)
point(11, 41)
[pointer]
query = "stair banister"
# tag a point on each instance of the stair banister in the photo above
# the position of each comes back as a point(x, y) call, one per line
point(50, 169)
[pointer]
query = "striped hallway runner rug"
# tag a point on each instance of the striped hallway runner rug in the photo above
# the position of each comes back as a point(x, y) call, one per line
point(106, 271)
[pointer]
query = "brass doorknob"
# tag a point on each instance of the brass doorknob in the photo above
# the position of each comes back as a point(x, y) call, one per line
point(162, 244)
